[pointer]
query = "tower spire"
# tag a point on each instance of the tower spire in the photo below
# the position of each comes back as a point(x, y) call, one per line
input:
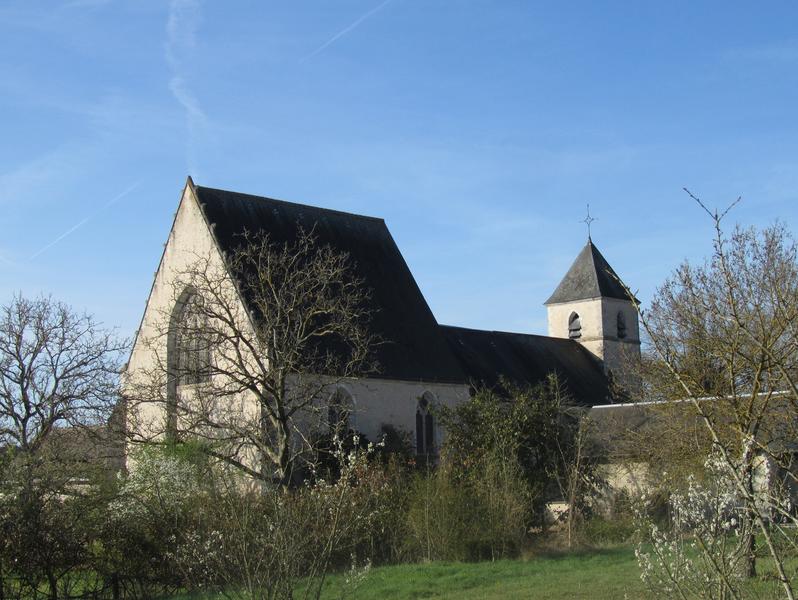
point(588, 220)
point(593, 307)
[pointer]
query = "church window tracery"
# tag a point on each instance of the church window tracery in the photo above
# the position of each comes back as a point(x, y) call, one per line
point(191, 352)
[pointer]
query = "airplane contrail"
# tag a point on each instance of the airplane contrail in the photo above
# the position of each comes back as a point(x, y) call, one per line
point(7, 261)
point(81, 223)
point(345, 30)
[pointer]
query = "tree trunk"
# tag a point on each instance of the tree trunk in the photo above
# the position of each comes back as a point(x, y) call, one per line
point(53, 584)
point(749, 540)
point(749, 547)
point(284, 454)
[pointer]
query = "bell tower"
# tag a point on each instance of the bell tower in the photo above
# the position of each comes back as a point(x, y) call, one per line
point(591, 306)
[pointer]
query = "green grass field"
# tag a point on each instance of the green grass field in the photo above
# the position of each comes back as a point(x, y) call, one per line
point(599, 574)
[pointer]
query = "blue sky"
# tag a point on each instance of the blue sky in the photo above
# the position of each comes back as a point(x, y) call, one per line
point(478, 129)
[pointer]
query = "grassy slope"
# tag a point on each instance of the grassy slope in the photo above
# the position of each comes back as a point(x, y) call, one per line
point(602, 574)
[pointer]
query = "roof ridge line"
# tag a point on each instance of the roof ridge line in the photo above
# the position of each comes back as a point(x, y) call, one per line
point(537, 335)
point(292, 203)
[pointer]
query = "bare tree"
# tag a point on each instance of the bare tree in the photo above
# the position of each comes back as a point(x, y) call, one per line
point(58, 384)
point(724, 340)
point(58, 368)
point(254, 348)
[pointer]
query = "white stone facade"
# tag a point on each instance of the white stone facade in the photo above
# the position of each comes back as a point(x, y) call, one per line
point(599, 328)
point(376, 402)
point(379, 402)
point(188, 239)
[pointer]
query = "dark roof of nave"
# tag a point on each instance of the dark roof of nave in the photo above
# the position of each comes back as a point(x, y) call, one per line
point(528, 359)
point(590, 276)
point(414, 348)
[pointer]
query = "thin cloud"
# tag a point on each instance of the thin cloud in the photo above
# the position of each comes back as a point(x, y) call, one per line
point(179, 89)
point(346, 30)
point(81, 223)
point(181, 40)
point(181, 30)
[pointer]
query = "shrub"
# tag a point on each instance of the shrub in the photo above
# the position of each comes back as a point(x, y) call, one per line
point(536, 430)
point(258, 541)
point(439, 518)
point(469, 516)
point(154, 509)
point(46, 537)
point(387, 537)
point(603, 531)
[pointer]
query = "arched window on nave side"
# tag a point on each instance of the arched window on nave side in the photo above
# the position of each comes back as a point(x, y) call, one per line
point(425, 425)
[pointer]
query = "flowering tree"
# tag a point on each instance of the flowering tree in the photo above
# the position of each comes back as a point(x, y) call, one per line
point(723, 343)
point(702, 553)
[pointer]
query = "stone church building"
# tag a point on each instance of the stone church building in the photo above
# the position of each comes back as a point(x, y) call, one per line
point(592, 323)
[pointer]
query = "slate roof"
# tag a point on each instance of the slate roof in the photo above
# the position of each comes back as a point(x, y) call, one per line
point(590, 276)
point(527, 359)
point(415, 348)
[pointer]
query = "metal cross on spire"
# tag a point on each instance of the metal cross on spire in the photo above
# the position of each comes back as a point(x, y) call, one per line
point(588, 220)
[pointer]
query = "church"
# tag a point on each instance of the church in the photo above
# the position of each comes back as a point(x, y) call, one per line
point(592, 322)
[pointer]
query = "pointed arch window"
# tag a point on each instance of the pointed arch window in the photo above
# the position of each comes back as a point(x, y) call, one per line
point(574, 326)
point(621, 324)
point(339, 412)
point(191, 362)
point(425, 425)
